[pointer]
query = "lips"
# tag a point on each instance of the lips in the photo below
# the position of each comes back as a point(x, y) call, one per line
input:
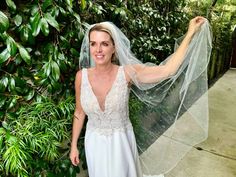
point(99, 56)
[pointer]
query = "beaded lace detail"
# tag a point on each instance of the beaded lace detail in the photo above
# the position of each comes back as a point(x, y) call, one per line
point(115, 116)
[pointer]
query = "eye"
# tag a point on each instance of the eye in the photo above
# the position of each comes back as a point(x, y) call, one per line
point(105, 44)
point(92, 44)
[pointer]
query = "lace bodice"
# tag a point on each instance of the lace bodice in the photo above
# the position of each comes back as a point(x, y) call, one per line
point(115, 116)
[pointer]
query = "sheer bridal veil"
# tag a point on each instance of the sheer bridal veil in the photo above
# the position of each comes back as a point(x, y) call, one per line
point(174, 116)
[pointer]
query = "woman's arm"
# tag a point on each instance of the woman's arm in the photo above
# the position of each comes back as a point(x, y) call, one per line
point(152, 74)
point(78, 121)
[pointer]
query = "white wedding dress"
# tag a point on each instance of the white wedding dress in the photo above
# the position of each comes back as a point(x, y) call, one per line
point(110, 143)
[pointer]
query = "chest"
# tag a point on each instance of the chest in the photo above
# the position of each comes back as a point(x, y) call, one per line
point(112, 96)
point(101, 85)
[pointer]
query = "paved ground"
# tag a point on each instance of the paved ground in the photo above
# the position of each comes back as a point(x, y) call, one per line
point(216, 157)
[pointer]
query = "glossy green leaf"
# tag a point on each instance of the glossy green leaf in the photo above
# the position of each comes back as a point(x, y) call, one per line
point(1, 141)
point(35, 24)
point(11, 46)
point(21, 90)
point(72, 171)
point(75, 52)
point(46, 4)
point(55, 85)
point(55, 52)
point(44, 26)
point(63, 11)
point(77, 169)
point(11, 4)
point(54, 11)
point(24, 72)
point(47, 68)
point(2, 131)
point(4, 22)
point(18, 59)
point(5, 125)
point(62, 65)
point(2, 101)
point(50, 88)
point(4, 55)
point(30, 95)
point(70, 3)
point(12, 103)
point(11, 139)
point(61, 56)
point(51, 20)
point(17, 20)
point(2, 114)
point(43, 82)
point(4, 36)
point(2, 88)
point(4, 81)
point(80, 34)
point(55, 70)
point(77, 17)
point(20, 82)
point(12, 84)
point(34, 9)
point(25, 55)
point(24, 33)
point(64, 42)
point(83, 4)
point(39, 98)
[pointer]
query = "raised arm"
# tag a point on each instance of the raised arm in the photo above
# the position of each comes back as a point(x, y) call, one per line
point(78, 121)
point(152, 74)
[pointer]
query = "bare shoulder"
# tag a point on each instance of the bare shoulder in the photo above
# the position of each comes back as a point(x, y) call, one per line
point(132, 70)
point(127, 71)
point(78, 77)
point(90, 71)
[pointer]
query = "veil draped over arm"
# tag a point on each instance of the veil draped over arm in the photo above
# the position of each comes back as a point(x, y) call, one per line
point(174, 116)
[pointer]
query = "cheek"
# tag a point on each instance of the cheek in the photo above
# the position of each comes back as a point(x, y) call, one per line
point(91, 50)
point(111, 53)
point(113, 50)
point(108, 51)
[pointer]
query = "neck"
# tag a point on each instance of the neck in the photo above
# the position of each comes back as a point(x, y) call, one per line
point(104, 68)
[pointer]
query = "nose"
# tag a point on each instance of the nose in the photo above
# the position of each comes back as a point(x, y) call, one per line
point(99, 48)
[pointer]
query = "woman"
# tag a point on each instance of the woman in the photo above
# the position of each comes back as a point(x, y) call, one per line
point(102, 93)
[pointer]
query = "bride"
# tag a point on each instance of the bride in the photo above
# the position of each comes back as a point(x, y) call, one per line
point(109, 71)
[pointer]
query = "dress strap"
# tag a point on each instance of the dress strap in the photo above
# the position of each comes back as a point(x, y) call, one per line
point(84, 77)
point(122, 74)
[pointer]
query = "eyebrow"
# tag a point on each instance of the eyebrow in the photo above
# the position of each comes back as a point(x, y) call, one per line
point(101, 41)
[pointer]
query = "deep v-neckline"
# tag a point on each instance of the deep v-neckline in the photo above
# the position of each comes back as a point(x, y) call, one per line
point(107, 94)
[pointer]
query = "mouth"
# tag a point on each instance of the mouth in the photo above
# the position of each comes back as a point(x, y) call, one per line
point(99, 56)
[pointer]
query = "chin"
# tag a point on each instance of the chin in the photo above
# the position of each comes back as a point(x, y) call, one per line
point(101, 61)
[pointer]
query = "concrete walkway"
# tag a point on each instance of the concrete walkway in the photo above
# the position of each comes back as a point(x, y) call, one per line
point(216, 157)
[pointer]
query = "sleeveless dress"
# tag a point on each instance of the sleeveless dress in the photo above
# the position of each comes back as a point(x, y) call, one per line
point(110, 144)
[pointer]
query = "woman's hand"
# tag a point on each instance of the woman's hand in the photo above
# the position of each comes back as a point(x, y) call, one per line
point(195, 24)
point(74, 156)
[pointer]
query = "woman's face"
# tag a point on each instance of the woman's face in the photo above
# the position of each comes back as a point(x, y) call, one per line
point(101, 47)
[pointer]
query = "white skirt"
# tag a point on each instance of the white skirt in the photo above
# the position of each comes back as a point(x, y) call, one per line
point(112, 155)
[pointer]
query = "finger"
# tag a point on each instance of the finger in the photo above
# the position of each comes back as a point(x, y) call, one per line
point(73, 161)
point(200, 20)
point(77, 160)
